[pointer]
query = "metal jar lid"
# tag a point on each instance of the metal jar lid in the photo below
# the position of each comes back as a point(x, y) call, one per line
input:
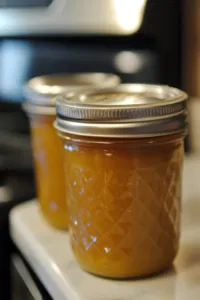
point(128, 110)
point(41, 91)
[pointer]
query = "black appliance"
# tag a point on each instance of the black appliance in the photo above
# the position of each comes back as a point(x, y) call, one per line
point(25, 284)
point(138, 40)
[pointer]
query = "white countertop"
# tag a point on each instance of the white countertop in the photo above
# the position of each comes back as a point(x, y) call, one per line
point(49, 253)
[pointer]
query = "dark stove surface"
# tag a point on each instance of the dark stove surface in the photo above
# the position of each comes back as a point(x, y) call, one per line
point(16, 168)
point(25, 284)
point(16, 180)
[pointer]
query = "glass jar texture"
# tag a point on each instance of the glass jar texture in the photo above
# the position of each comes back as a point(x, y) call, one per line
point(47, 147)
point(47, 154)
point(123, 157)
point(124, 203)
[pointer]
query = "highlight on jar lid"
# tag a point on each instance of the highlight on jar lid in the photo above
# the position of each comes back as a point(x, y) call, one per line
point(41, 91)
point(128, 110)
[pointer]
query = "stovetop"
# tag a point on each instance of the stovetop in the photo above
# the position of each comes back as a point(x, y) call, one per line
point(16, 167)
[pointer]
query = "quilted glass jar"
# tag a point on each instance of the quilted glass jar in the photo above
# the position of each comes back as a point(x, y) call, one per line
point(47, 147)
point(123, 157)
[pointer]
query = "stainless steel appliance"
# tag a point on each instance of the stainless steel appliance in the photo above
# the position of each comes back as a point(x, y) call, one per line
point(140, 40)
point(30, 17)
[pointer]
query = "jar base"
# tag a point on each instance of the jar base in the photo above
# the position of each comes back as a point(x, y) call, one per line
point(134, 276)
point(128, 270)
point(59, 223)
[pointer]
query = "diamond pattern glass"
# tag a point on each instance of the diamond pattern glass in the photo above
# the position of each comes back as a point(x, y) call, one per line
point(49, 171)
point(124, 204)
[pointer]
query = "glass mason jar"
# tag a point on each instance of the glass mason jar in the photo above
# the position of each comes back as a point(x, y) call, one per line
point(123, 157)
point(47, 147)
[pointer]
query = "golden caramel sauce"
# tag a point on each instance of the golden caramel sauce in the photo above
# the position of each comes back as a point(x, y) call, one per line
point(124, 203)
point(47, 153)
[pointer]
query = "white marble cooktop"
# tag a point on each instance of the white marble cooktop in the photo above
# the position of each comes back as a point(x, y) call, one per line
point(48, 252)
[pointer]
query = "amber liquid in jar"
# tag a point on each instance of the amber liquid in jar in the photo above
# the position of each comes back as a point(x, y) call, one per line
point(124, 203)
point(47, 153)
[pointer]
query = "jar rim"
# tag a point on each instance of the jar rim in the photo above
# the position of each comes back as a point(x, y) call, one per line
point(124, 111)
point(41, 91)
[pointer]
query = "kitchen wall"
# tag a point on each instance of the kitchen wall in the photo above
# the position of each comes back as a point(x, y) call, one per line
point(191, 46)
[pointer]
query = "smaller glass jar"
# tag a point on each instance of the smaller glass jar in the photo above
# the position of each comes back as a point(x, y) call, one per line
point(47, 147)
point(123, 155)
